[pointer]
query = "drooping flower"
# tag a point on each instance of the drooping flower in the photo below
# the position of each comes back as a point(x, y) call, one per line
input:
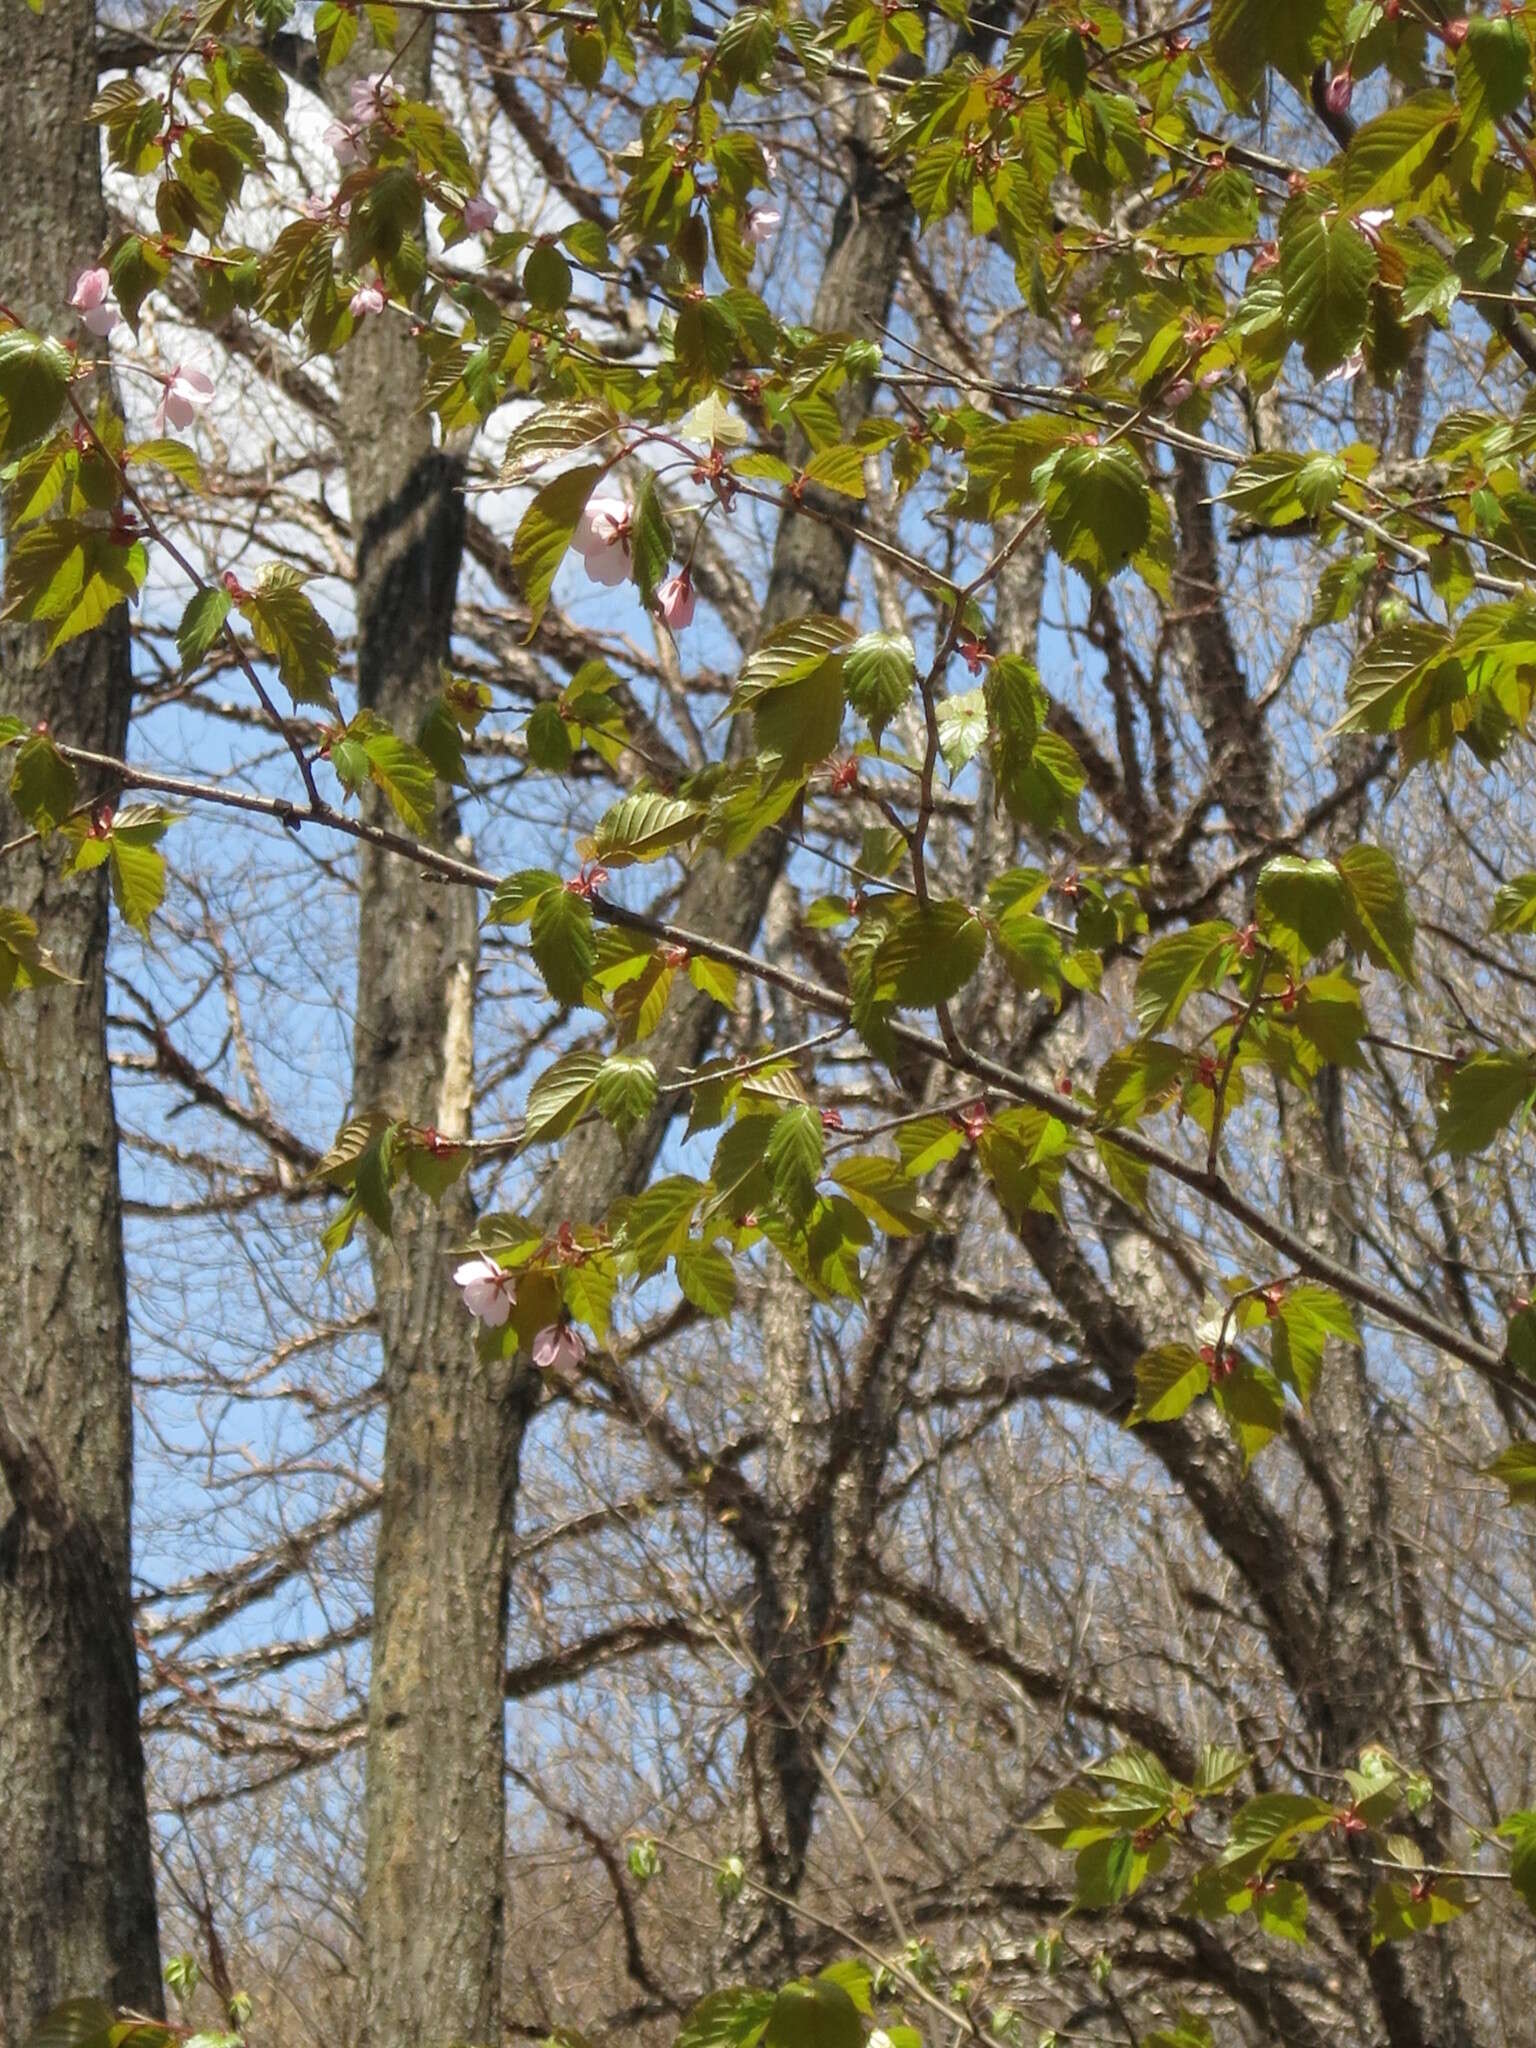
point(187, 391)
point(344, 140)
point(368, 298)
point(1340, 90)
point(92, 299)
point(602, 538)
point(558, 1348)
point(479, 214)
point(371, 98)
point(488, 1291)
point(674, 601)
point(760, 225)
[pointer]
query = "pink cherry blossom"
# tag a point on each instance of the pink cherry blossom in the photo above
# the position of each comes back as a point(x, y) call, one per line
point(344, 141)
point(479, 214)
point(770, 160)
point(371, 98)
point(602, 538)
point(760, 224)
point(1339, 91)
point(187, 391)
point(558, 1348)
point(674, 601)
point(368, 298)
point(488, 1291)
point(92, 299)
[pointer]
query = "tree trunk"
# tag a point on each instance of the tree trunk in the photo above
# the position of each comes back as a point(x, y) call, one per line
point(434, 1880)
point(77, 1903)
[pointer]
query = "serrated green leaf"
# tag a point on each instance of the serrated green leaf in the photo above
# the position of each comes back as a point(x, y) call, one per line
point(564, 949)
point(202, 622)
point(643, 826)
point(1168, 1380)
point(1174, 967)
point(1327, 268)
point(1098, 509)
point(706, 1277)
point(561, 1097)
point(286, 625)
point(879, 671)
point(1482, 1097)
point(44, 786)
point(34, 379)
point(929, 954)
point(545, 531)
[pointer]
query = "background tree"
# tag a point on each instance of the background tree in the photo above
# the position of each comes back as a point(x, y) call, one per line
point(851, 1590)
point(77, 1907)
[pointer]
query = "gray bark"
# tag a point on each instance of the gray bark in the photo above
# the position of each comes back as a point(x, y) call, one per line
point(77, 1904)
point(434, 1879)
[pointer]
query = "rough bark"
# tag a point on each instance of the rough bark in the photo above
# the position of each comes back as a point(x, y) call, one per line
point(77, 1905)
point(434, 1881)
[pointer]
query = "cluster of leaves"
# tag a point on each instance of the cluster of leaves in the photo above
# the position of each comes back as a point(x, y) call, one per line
point(1146, 1823)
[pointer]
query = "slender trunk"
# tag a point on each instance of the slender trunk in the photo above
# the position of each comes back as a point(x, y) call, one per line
point(434, 1878)
point(77, 1903)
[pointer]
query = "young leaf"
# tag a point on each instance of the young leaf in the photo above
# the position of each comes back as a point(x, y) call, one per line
point(564, 949)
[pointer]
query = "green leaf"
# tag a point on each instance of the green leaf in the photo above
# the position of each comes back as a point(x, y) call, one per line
point(1264, 1829)
point(1484, 1094)
point(77, 2023)
point(929, 954)
point(202, 622)
point(287, 626)
point(1098, 509)
point(1301, 905)
point(43, 784)
point(654, 1226)
point(881, 1189)
point(405, 775)
point(70, 575)
point(1174, 967)
point(1168, 1380)
point(962, 727)
point(1023, 1153)
point(642, 827)
point(335, 33)
point(1493, 69)
point(818, 2014)
point(734, 2018)
point(24, 963)
point(516, 897)
point(1377, 921)
point(545, 531)
point(561, 1097)
point(650, 538)
point(789, 654)
point(1327, 268)
point(1514, 908)
point(1520, 1828)
point(34, 378)
point(1247, 36)
point(626, 1090)
point(879, 670)
point(1306, 1317)
point(547, 278)
point(706, 1277)
point(793, 1155)
point(550, 746)
point(1387, 159)
point(564, 949)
